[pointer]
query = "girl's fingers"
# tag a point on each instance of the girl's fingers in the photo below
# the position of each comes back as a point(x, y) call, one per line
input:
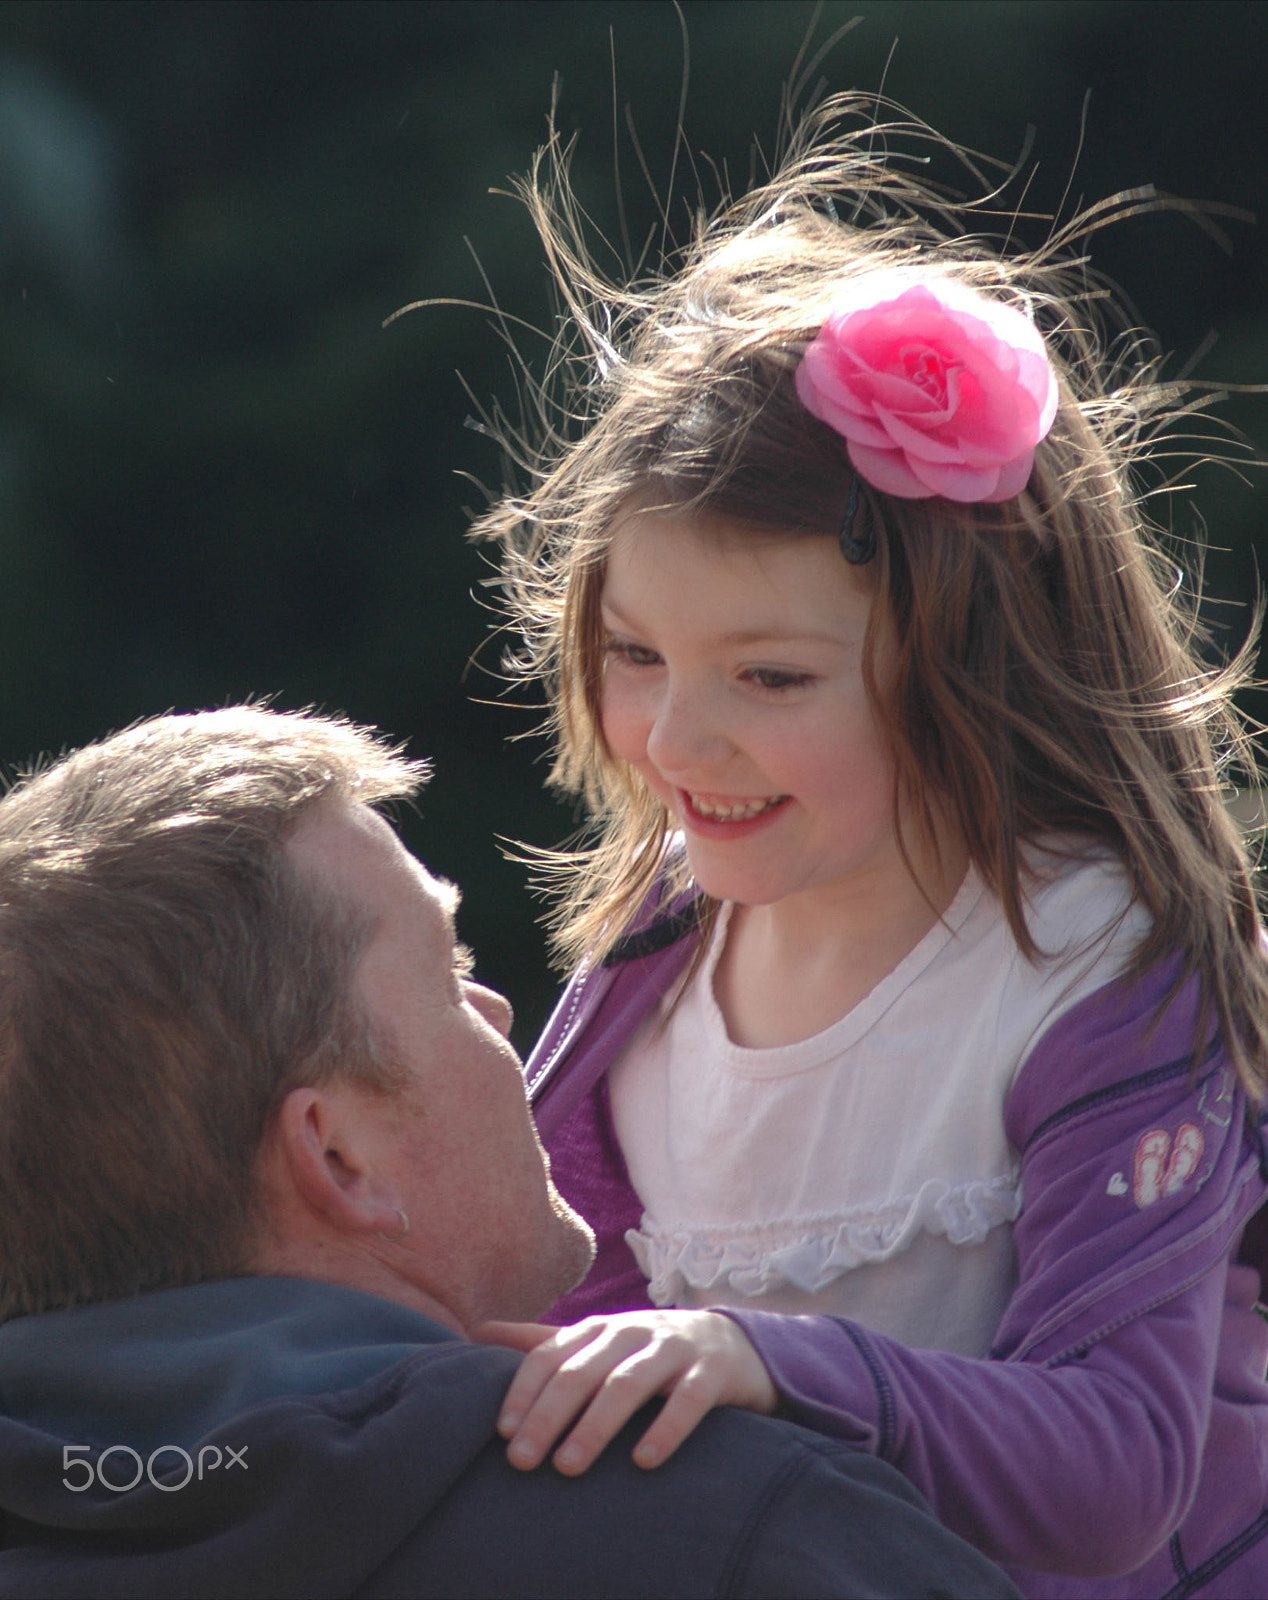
point(518, 1335)
point(561, 1385)
point(537, 1370)
point(729, 1372)
point(689, 1403)
point(595, 1376)
point(651, 1371)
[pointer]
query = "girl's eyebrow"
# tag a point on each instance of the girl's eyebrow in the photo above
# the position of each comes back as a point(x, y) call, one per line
point(779, 636)
point(743, 636)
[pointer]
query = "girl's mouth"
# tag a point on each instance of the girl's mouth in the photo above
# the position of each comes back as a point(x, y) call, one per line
point(725, 816)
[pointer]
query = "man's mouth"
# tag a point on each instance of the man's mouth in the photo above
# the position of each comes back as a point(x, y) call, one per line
point(720, 810)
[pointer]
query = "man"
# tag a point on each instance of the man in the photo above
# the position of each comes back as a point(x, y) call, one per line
point(265, 1161)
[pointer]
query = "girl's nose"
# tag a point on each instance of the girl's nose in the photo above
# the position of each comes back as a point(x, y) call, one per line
point(684, 733)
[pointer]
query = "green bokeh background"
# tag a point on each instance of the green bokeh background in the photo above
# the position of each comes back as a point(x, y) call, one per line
point(221, 476)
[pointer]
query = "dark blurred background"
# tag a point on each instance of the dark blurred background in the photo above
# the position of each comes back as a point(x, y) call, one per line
point(221, 476)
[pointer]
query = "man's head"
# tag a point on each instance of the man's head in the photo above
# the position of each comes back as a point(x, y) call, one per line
point(195, 920)
point(437, 1194)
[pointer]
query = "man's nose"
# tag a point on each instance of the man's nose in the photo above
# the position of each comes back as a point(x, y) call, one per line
point(492, 1006)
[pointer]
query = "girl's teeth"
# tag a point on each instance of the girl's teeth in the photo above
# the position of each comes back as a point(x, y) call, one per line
point(738, 811)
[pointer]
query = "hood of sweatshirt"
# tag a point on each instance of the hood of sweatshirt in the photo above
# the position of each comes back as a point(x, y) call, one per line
point(241, 1436)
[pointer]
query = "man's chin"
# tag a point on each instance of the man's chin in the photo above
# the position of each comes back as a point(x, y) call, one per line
point(564, 1262)
point(573, 1248)
point(580, 1241)
point(540, 1275)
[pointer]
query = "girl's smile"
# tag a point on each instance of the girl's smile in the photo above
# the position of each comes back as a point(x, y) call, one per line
point(701, 811)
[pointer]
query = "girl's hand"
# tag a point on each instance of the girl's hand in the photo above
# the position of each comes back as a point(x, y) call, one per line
point(605, 1368)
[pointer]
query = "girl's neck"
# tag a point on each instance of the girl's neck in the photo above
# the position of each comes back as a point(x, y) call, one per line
point(792, 968)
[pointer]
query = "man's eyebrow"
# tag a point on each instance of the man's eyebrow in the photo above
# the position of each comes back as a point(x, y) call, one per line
point(450, 895)
point(463, 955)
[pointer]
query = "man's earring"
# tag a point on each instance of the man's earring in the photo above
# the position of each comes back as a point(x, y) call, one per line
point(391, 1238)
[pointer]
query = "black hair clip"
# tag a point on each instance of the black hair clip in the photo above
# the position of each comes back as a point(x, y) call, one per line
point(856, 551)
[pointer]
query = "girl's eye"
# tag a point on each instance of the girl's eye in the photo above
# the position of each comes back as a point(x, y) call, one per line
point(637, 655)
point(778, 678)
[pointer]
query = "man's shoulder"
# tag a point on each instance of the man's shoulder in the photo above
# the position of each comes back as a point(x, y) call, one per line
point(396, 1483)
point(748, 1506)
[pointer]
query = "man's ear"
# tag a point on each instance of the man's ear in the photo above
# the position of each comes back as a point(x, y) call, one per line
point(326, 1144)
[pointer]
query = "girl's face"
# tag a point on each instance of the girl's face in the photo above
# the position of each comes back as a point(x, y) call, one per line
point(733, 683)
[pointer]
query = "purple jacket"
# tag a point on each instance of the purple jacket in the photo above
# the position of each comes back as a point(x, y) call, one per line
point(1115, 1441)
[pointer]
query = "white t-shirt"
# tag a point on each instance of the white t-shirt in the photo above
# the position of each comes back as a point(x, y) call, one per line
point(864, 1171)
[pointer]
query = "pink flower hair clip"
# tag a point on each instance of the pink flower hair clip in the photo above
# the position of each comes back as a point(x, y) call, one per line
point(936, 389)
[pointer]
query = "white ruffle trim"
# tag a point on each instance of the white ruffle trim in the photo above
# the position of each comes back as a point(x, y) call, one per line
point(810, 1252)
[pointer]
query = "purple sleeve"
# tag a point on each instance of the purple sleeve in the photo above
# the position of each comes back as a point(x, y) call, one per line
point(1075, 1446)
point(1081, 1469)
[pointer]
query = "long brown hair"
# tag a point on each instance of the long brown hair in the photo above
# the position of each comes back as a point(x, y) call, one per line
point(1050, 676)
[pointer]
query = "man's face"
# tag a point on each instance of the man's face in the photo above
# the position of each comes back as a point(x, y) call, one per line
point(488, 1232)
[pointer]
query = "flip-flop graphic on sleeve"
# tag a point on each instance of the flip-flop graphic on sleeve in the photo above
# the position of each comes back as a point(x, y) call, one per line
point(1162, 1165)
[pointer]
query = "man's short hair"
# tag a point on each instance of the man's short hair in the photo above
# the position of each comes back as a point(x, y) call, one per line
point(166, 978)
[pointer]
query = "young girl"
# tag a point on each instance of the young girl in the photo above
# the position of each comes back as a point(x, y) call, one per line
point(921, 1019)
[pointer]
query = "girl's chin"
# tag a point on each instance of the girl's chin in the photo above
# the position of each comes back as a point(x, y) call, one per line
point(747, 883)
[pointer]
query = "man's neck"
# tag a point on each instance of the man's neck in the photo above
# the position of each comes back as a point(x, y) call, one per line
point(330, 1260)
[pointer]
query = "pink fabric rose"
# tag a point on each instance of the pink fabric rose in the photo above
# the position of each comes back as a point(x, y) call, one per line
point(935, 388)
